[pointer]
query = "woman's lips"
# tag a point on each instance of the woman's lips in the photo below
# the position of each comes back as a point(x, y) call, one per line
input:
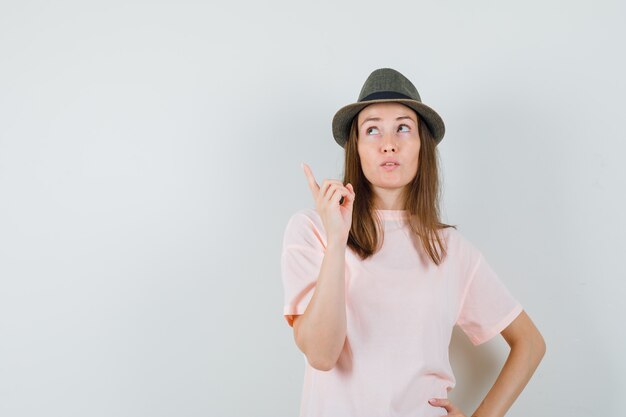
point(389, 167)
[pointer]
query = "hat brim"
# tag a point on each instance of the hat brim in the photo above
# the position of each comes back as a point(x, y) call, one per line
point(343, 118)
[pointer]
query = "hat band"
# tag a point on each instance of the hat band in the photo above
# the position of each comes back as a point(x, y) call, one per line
point(383, 95)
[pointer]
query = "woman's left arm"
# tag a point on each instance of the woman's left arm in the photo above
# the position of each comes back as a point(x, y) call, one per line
point(527, 350)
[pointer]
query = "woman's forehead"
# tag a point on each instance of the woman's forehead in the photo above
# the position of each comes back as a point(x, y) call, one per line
point(390, 109)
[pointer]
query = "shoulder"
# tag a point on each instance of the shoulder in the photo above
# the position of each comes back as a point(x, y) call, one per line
point(304, 214)
point(459, 245)
point(305, 218)
point(455, 236)
point(305, 226)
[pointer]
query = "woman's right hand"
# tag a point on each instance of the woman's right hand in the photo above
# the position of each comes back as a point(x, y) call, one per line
point(337, 218)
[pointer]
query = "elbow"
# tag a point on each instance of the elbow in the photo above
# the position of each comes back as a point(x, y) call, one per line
point(318, 357)
point(318, 361)
point(533, 347)
point(322, 364)
point(323, 361)
point(540, 347)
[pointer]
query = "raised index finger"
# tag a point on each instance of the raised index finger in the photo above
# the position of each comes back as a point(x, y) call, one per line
point(315, 188)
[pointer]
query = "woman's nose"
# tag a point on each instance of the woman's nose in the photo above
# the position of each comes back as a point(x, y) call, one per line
point(389, 143)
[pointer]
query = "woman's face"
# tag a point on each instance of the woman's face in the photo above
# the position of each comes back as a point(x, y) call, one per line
point(388, 131)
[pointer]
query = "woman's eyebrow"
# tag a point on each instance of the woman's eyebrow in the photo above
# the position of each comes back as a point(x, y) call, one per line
point(378, 118)
point(405, 117)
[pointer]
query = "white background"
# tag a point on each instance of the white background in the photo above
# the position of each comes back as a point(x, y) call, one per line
point(150, 158)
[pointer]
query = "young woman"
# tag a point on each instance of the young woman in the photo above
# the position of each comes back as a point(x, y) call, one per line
point(374, 282)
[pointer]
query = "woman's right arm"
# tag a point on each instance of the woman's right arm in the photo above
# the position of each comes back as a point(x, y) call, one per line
point(320, 332)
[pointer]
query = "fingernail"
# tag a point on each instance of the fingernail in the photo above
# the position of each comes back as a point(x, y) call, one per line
point(432, 400)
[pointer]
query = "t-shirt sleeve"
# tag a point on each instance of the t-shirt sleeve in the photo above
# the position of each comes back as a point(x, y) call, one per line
point(487, 306)
point(301, 260)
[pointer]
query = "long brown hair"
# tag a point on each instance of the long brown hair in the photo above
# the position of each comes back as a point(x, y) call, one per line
point(421, 199)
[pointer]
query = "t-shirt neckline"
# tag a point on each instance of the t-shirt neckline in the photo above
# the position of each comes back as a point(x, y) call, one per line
point(392, 214)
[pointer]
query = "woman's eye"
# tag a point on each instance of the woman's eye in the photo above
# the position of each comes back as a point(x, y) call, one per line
point(407, 127)
point(369, 130)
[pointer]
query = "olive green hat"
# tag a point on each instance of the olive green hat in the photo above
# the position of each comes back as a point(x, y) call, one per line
point(384, 85)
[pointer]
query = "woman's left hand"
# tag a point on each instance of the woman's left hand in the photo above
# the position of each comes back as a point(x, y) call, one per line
point(452, 409)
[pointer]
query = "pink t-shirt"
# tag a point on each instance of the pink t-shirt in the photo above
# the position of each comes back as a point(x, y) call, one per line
point(401, 309)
